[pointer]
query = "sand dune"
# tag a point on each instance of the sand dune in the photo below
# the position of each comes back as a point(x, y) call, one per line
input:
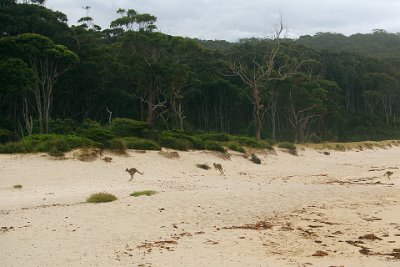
point(306, 210)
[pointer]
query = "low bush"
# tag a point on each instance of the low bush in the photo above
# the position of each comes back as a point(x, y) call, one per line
point(53, 144)
point(235, 147)
point(137, 143)
point(88, 124)
point(123, 127)
point(214, 146)
point(287, 145)
point(99, 134)
point(66, 126)
point(116, 145)
point(251, 142)
point(100, 198)
point(222, 137)
point(18, 186)
point(143, 193)
point(7, 136)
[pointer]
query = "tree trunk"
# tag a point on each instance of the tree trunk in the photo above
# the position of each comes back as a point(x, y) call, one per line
point(150, 110)
point(257, 112)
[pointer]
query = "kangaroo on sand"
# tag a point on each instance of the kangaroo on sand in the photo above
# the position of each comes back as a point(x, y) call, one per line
point(218, 166)
point(132, 172)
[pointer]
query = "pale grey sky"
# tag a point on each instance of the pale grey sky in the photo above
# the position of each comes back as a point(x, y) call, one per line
point(235, 19)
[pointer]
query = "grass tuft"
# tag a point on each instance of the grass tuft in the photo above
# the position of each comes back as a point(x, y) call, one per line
point(143, 193)
point(101, 197)
point(18, 186)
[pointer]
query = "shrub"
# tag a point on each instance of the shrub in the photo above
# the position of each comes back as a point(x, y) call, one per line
point(18, 186)
point(7, 136)
point(137, 143)
point(235, 147)
point(197, 143)
point(116, 145)
point(101, 135)
point(143, 193)
point(169, 140)
point(66, 126)
point(251, 142)
point(254, 158)
point(203, 166)
point(54, 144)
point(287, 145)
point(101, 197)
point(14, 147)
point(214, 137)
point(88, 123)
point(127, 127)
point(180, 140)
point(214, 146)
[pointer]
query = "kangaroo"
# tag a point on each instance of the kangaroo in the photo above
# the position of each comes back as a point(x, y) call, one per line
point(218, 166)
point(132, 172)
point(388, 173)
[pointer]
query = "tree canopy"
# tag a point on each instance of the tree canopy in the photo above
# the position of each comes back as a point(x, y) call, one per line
point(322, 87)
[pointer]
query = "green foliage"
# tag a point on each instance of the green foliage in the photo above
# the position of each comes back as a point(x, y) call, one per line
point(66, 126)
point(122, 127)
point(170, 141)
point(214, 137)
point(214, 146)
point(180, 141)
point(235, 147)
point(99, 134)
point(116, 145)
point(143, 193)
point(251, 142)
point(100, 198)
point(54, 144)
point(138, 143)
point(88, 124)
point(287, 145)
point(6, 136)
point(203, 166)
point(352, 93)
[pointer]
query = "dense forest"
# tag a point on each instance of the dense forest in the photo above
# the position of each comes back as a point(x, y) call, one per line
point(55, 78)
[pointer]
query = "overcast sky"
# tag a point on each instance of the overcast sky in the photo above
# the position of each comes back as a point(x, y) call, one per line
point(234, 19)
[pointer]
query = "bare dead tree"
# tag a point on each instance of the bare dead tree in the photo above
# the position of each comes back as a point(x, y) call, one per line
point(259, 75)
point(300, 119)
point(110, 115)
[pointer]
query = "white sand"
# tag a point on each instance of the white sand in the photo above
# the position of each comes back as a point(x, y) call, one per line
point(314, 202)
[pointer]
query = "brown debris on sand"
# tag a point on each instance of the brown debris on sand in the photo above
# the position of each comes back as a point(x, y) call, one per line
point(320, 253)
point(261, 225)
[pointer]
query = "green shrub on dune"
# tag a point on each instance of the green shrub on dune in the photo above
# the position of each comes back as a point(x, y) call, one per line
point(98, 134)
point(235, 147)
point(221, 137)
point(123, 127)
point(214, 146)
point(53, 144)
point(287, 145)
point(138, 143)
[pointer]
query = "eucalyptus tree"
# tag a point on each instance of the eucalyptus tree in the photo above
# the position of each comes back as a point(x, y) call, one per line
point(258, 63)
point(16, 79)
point(48, 62)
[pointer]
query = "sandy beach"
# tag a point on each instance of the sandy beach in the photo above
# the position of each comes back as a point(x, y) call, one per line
point(306, 210)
